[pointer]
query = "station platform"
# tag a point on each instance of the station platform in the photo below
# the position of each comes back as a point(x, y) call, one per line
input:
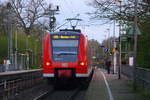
point(103, 86)
point(108, 87)
point(18, 72)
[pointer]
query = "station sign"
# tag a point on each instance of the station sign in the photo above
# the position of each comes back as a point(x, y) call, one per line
point(114, 50)
point(106, 50)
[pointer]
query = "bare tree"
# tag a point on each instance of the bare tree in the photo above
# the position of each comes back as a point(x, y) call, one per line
point(110, 9)
point(6, 17)
point(3, 13)
point(28, 13)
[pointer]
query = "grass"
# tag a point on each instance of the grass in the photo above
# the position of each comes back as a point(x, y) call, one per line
point(144, 92)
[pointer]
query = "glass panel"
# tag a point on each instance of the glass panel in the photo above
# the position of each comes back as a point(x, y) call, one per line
point(65, 50)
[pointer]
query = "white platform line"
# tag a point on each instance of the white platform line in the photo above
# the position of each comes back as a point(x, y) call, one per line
point(108, 88)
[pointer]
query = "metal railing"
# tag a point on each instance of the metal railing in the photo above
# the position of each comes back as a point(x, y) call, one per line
point(11, 83)
point(2, 68)
point(142, 76)
point(127, 71)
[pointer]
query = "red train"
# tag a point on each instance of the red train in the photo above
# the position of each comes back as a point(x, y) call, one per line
point(67, 55)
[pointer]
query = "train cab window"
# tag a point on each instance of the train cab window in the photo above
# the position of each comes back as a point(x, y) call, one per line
point(65, 50)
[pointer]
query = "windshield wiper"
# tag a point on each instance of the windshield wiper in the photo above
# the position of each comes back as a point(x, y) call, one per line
point(65, 53)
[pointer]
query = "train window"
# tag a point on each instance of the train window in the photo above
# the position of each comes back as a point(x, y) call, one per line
point(65, 43)
point(65, 50)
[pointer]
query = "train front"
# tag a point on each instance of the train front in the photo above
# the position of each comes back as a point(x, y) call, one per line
point(65, 55)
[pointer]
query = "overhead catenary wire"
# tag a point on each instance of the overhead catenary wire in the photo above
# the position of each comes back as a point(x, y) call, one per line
point(66, 22)
point(110, 22)
point(68, 6)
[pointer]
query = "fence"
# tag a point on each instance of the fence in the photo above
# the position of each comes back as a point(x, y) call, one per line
point(13, 82)
point(2, 68)
point(127, 71)
point(142, 76)
point(19, 64)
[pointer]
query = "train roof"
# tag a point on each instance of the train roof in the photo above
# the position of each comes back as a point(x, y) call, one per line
point(72, 30)
point(68, 31)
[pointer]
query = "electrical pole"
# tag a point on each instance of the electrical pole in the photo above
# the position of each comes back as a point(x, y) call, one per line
point(135, 41)
point(108, 40)
point(119, 68)
point(16, 49)
point(9, 31)
point(114, 48)
point(52, 12)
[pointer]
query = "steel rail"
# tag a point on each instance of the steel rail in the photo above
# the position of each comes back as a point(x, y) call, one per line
point(44, 95)
point(74, 95)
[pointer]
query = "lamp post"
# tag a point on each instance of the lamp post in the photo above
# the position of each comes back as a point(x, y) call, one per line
point(16, 50)
point(135, 43)
point(36, 52)
point(108, 39)
point(27, 48)
point(9, 31)
point(114, 47)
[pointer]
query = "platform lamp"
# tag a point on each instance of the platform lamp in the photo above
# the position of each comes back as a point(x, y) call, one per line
point(119, 68)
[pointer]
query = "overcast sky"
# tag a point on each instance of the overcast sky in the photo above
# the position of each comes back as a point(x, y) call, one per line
point(70, 8)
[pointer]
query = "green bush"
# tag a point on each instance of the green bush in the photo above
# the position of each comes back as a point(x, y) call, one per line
point(24, 43)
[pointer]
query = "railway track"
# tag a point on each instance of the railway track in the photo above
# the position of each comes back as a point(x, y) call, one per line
point(62, 94)
point(44, 95)
point(73, 91)
point(74, 95)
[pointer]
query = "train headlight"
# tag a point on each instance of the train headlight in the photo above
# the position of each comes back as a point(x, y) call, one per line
point(48, 63)
point(82, 63)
